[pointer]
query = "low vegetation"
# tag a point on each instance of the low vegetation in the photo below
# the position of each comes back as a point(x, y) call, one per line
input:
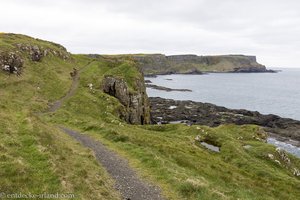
point(37, 157)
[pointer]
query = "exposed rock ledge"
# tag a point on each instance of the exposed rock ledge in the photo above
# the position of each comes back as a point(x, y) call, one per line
point(169, 111)
point(136, 106)
point(157, 87)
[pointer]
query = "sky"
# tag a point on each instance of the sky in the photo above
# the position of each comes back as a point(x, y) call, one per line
point(269, 29)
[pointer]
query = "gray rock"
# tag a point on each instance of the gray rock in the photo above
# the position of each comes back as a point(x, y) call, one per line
point(136, 106)
point(36, 53)
point(212, 115)
point(157, 87)
point(11, 62)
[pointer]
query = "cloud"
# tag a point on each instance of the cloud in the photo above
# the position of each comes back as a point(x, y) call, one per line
point(268, 29)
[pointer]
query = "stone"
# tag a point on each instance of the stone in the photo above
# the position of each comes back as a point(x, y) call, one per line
point(271, 156)
point(278, 162)
point(283, 156)
point(136, 106)
point(90, 85)
point(36, 54)
point(296, 172)
point(247, 147)
point(11, 62)
point(156, 87)
point(6, 68)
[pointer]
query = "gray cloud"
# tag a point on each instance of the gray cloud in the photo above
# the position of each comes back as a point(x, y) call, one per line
point(268, 29)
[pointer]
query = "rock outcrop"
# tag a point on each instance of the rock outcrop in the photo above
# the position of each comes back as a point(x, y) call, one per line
point(192, 64)
point(18, 49)
point(36, 53)
point(135, 103)
point(170, 111)
point(11, 62)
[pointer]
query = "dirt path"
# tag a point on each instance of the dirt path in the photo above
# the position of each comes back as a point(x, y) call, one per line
point(127, 181)
point(57, 104)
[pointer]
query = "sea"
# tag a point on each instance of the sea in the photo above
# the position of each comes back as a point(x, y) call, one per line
point(267, 93)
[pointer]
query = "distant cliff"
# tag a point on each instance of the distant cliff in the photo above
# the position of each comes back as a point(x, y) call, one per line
point(153, 64)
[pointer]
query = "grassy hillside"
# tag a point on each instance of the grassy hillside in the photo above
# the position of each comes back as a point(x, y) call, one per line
point(37, 157)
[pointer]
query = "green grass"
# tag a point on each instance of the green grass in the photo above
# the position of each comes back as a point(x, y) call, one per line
point(36, 157)
point(168, 155)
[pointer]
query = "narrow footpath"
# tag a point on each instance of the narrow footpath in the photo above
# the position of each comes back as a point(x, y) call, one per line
point(130, 185)
point(126, 179)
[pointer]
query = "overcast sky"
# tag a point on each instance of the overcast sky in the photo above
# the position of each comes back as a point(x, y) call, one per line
point(269, 29)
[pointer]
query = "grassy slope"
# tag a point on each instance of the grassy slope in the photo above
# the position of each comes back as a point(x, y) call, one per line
point(168, 156)
point(36, 156)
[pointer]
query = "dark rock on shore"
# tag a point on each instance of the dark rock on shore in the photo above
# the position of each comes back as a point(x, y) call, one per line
point(253, 70)
point(169, 110)
point(150, 75)
point(157, 87)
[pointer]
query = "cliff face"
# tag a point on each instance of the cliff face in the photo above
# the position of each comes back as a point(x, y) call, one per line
point(161, 64)
point(136, 104)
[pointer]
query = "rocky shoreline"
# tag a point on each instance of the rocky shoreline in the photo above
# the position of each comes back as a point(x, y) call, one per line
point(157, 87)
point(189, 112)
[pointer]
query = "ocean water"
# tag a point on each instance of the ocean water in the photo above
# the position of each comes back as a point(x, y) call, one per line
point(268, 93)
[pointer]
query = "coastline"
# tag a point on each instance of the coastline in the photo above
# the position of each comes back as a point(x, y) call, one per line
point(165, 111)
point(154, 75)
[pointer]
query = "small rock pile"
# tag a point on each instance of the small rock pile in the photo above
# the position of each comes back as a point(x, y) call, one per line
point(11, 62)
point(281, 158)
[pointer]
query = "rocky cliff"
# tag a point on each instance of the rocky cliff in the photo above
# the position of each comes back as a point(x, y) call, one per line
point(190, 64)
point(135, 103)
